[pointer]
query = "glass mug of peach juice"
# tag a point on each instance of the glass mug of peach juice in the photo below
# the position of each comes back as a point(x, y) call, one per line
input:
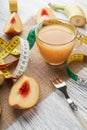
point(55, 40)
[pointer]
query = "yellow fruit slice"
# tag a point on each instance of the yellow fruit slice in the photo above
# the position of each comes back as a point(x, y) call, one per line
point(44, 14)
point(13, 25)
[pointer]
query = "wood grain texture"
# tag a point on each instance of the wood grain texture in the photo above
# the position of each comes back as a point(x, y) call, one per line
point(52, 113)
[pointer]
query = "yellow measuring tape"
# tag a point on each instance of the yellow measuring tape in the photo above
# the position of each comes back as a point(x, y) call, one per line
point(76, 57)
point(5, 50)
point(10, 48)
point(3, 45)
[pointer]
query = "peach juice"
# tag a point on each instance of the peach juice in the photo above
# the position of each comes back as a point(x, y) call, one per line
point(55, 40)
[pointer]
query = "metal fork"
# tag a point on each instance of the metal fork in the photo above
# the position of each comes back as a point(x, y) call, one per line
point(61, 85)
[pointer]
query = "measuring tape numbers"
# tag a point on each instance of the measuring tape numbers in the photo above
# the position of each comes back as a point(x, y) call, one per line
point(79, 58)
point(10, 48)
point(23, 60)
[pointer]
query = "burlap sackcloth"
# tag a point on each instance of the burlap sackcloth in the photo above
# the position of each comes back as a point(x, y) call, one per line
point(38, 69)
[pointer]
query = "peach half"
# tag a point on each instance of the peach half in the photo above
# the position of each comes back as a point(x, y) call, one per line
point(13, 25)
point(44, 14)
point(24, 93)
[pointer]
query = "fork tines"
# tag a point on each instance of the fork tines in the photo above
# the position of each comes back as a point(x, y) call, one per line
point(60, 84)
point(57, 82)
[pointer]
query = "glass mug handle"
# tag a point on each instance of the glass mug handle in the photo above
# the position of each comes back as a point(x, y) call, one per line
point(81, 37)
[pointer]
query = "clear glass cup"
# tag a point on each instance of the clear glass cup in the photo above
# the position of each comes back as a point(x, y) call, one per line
point(55, 39)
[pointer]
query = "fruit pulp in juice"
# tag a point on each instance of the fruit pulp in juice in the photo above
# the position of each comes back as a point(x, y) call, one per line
point(55, 43)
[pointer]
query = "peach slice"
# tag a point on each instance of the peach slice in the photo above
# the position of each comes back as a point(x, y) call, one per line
point(45, 13)
point(24, 93)
point(14, 25)
point(2, 78)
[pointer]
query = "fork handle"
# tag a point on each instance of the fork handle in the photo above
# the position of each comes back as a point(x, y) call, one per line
point(72, 104)
point(81, 120)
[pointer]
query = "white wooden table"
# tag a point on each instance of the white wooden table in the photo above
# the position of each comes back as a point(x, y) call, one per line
point(53, 113)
